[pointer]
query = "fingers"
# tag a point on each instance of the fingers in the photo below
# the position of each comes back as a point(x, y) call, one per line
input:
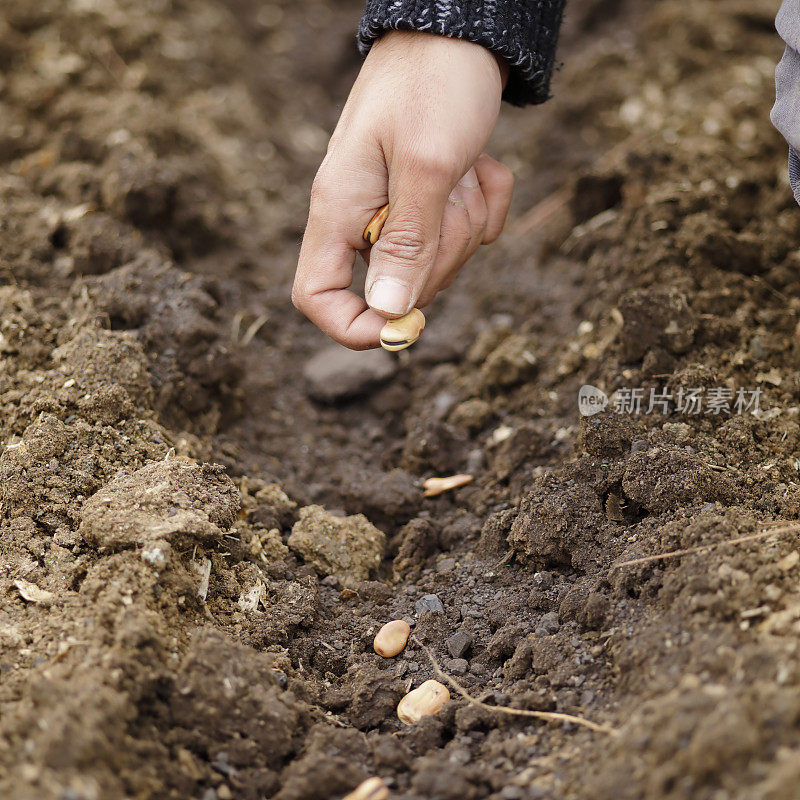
point(454, 242)
point(402, 259)
point(463, 227)
point(497, 184)
point(325, 271)
point(426, 239)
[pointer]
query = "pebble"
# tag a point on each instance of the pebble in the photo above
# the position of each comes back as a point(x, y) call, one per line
point(446, 565)
point(336, 373)
point(459, 643)
point(543, 580)
point(548, 624)
point(476, 461)
point(640, 446)
point(429, 602)
point(456, 666)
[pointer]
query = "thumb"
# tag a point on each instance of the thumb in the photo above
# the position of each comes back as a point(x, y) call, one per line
point(402, 258)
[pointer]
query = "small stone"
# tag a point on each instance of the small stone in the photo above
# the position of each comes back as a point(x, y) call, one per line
point(640, 446)
point(548, 624)
point(430, 602)
point(476, 461)
point(346, 547)
point(459, 643)
point(543, 580)
point(446, 565)
point(456, 666)
point(336, 373)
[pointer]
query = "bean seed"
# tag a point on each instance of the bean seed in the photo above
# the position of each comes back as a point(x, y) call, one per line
point(370, 789)
point(375, 225)
point(392, 638)
point(436, 486)
point(397, 334)
point(425, 700)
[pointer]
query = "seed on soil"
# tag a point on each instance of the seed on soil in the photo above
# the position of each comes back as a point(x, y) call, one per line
point(398, 334)
point(437, 486)
point(31, 593)
point(426, 700)
point(370, 789)
point(392, 638)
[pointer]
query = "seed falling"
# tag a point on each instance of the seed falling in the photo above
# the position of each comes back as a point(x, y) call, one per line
point(370, 789)
point(397, 334)
point(437, 486)
point(426, 700)
point(392, 638)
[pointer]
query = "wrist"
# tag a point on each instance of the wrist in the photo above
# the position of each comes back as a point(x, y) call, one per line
point(414, 42)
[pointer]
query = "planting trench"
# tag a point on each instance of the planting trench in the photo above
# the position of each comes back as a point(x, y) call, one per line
point(174, 622)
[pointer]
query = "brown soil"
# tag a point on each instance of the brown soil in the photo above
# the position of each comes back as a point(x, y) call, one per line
point(176, 622)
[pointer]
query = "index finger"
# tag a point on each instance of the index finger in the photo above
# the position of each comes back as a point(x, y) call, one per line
point(322, 285)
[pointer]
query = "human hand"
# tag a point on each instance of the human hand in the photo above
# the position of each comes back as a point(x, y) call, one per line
point(411, 133)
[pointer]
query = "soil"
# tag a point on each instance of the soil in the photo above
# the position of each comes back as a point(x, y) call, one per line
point(201, 533)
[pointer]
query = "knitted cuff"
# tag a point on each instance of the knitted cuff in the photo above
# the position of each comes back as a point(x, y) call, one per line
point(523, 32)
point(794, 173)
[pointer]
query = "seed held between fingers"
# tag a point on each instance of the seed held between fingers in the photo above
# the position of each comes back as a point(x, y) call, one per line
point(392, 638)
point(370, 789)
point(375, 225)
point(427, 699)
point(397, 334)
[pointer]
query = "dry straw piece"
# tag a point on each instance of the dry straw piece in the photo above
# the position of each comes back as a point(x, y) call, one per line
point(436, 486)
point(549, 716)
point(370, 789)
point(392, 638)
point(427, 699)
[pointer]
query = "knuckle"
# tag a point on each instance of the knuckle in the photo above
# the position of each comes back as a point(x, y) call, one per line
point(505, 177)
point(406, 246)
point(481, 221)
point(299, 298)
point(323, 190)
point(435, 164)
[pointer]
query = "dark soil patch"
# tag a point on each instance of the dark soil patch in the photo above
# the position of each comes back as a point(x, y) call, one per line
point(174, 629)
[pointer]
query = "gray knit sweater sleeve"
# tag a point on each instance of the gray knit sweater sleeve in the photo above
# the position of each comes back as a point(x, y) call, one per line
point(524, 32)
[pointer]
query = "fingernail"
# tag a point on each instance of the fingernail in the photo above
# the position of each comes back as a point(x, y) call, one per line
point(469, 180)
point(389, 296)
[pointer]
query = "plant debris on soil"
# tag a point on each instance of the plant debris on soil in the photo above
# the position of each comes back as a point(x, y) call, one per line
point(203, 527)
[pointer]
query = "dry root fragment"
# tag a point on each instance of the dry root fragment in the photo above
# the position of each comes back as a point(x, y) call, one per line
point(397, 334)
point(436, 486)
point(370, 789)
point(392, 638)
point(425, 700)
point(31, 593)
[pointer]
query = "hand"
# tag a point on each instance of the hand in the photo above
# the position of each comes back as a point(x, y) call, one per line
point(412, 134)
